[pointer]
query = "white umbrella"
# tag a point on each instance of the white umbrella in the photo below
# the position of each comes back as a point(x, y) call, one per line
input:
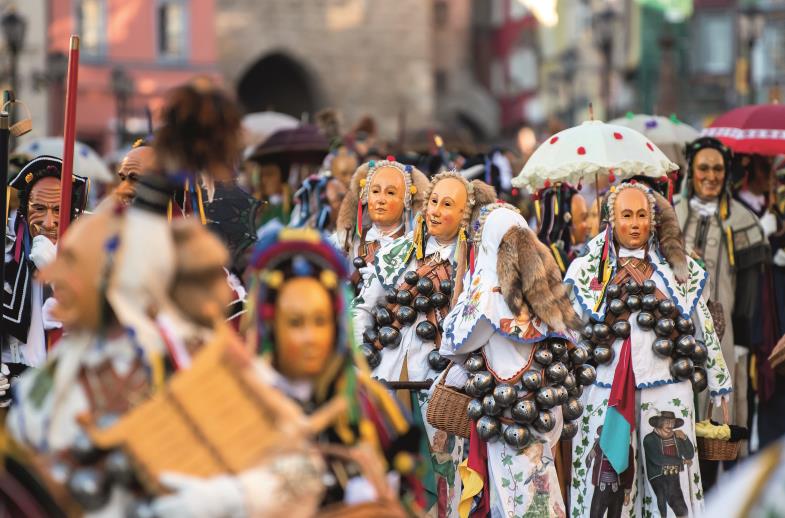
point(87, 162)
point(669, 134)
point(593, 148)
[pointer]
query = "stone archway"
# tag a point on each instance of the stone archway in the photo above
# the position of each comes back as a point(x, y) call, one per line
point(279, 83)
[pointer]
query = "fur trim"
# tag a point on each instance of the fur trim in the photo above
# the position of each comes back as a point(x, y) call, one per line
point(671, 238)
point(347, 213)
point(484, 194)
point(529, 277)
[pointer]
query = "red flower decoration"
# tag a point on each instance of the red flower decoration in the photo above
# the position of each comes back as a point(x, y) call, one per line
point(611, 177)
point(581, 150)
point(554, 140)
point(618, 136)
point(390, 158)
point(595, 284)
point(547, 183)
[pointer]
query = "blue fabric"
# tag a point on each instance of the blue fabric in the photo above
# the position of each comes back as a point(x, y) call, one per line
point(615, 440)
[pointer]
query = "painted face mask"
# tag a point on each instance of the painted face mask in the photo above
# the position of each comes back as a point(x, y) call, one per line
point(386, 197)
point(138, 162)
point(445, 209)
point(631, 218)
point(708, 174)
point(43, 211)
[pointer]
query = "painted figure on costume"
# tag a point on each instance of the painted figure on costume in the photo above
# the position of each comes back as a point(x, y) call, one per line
point(668, 452)
point(399, 313)
point(383, 197)
point(653, 339)
point(611, 490)
point(509, 330)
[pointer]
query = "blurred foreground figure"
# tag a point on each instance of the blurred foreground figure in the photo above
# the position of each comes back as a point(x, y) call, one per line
point(26, 318)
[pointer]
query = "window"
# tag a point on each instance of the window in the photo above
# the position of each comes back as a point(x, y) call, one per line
point(713, 43)
point(172, 30)
point(769, 59)
point(91, 26)
point(523, 70)
point(440, 13)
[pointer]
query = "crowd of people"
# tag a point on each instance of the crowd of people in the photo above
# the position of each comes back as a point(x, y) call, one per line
point(376, 331)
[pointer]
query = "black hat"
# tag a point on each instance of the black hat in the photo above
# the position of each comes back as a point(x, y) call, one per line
point(45, 166)
point(657, 419)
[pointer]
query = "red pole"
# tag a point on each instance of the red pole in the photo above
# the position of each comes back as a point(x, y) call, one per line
point(69, 135)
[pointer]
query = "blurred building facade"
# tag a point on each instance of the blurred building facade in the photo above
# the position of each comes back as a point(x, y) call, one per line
point(132, 52)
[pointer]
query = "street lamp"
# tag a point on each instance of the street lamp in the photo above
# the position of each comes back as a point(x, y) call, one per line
point(603, 29)
point(569, 61)
point(123, 89)
point(14, 27)
point(752, 21)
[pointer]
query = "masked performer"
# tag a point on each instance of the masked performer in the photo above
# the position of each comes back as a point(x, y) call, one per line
point(383, 197)
point(400, 309)
point(654, 342)
point(27, 301)
point(139, 161)
point(317, 203)
point(300, 326)
point(511, 320)
point(728, 238)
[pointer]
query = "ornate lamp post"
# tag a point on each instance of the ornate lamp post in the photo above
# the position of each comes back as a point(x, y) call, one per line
point(603, 28)
point(14, 27)
point(123, 89)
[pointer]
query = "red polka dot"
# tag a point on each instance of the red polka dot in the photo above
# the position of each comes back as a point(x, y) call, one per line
point(618, 136)
point(648, 145)
point(581, 150)
point(554, 140)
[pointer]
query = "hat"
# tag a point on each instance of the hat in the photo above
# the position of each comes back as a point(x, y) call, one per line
point(657, 419)
point(46, 166)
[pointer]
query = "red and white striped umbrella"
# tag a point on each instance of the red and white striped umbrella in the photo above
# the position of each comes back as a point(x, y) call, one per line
point(758, 129)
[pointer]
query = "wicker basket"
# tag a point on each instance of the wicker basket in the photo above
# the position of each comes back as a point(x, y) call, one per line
point(717, 449)
point(447, 409)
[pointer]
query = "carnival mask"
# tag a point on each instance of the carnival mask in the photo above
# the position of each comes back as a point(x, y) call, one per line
point(445, 210)
point(631, 218)
point(386, 197)
point(304, 328)
point(708, 173)
point(43, 209)
point(200, 287)
point(580, 218)
point(343, 165)
point(138, 162)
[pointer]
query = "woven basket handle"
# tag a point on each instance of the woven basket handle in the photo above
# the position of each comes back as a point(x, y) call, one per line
point(725, 410)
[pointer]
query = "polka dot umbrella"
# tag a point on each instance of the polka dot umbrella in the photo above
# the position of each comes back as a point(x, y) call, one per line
point(593, 148)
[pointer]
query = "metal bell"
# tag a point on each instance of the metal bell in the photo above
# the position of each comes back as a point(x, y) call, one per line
point(411, 278)
point(488, 428)
point(649, 286)
point(613, 291)
point(663, 347)
point(700, 353)
point(645, 320)
point(422, 303)
point(685, 326)
point(569, 381)
point(562, 395)
point(586, 374)
point(580, 354)
point(390, 295)
point(633, 303)
point(601, 332)
point(140, 509)
point(576, 391)
point(470, 387)
point(389, 337)
point(524, 411)
point(372, 357)
point(682, 368)
point(666, 307)
point(437, 361)
point(545, 422)
point(699, 379)
point(556, 372)
point(83, 449)
point(439, 299)
point(621, 328)
point(474, 363)
point(603, 355)
point(632, 287)
point(404, 297)
point(649, 302)
point(543, 356)
point(370, 335)
point(119, 468)
point(505, 394)
point(425, 286)
point(483, 380)
point(546, 397)
point(587, 332)
point(685, 345)
point(516, 435)
point(445, 287)
point(425, 330)
point(557, 347)
point(617, 306)
point(664, 327)
point(383, 316)
point(490, 406)
point(89, 488)
point(405, 315)
point(531, 380)
point(572, 409)
point(358, 262)
point(474, 409)
point(568, 431)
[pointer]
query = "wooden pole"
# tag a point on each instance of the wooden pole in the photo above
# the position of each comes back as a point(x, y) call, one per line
point(5, 135)
point(69, 135)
